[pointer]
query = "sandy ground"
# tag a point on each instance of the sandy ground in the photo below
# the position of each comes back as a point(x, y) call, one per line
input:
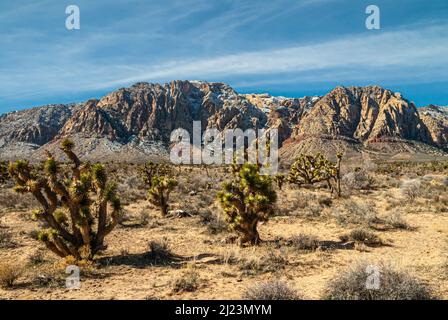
point(123, 272)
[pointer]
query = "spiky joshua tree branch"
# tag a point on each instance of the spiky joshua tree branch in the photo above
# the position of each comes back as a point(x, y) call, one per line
point(246, 201)
point(311, 169)
point(78, 209)
point(161, 184)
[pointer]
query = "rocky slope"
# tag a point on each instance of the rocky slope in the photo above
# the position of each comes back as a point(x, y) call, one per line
point(22, 132)
point(361, 118)
point(134, 124)
point(436, 120)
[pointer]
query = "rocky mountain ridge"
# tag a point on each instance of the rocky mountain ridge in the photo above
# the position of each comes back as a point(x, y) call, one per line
point(137, 121)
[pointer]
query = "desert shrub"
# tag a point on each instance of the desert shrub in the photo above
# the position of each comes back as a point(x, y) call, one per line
point(11, 201)
point(279, 180)
point(231, 255)
point(369, 166)
point(311, 169)
point(247, 200)
point(275, 260)
point(74, 223)
point(325, 201)
point(49, 279)
point(160, 251)
point(396, 221)
point(37, 258)
point(392, 285)
point(445, 181)
point(313, 211)
point(188, 281)
point(363, 236)
point(251, 265)
point(433, 189)
point(214, 222)
point(357, 180)
point(272, 261)
point(305, 242)
point(361, 213)
point(4, 175)
point(270, 290)
point(143, 218)
point(6, 240)
point(411, 189)
point(9, 273)
point(294, 202)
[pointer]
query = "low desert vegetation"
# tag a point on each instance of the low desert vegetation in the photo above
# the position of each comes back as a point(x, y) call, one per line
point(188, 281)
point(9, 273)
point(305, 242)
point(358, 179)
point(359, 283)
point(133, 226)
point(160, 251)
point(363, 236)
point(3, 172)
point(270, 290)
point(311, 169)
point(6, 240)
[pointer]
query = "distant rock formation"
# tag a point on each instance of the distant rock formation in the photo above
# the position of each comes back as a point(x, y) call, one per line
point(134, 124)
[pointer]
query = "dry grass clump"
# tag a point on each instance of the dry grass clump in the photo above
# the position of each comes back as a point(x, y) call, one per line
point(363, 236)
point(11, 200)
point(160, 251)
point(126, 178)
point(410, 189)
point(305, 242)
point(251, 264)
point(188, 281)
point(270, 290)
point(37, 258)
point(357, 212)
point(9, 273)
point(143, 218)
point(362, 283)
point(6, 240)
point(294, 202)
point(49, 279)
point(213, 221)
point(396, 221)
point(358, 180)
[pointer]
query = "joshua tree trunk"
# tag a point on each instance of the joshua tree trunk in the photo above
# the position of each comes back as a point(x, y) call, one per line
point(338, 174)
point(164, 209)
point(249, 233)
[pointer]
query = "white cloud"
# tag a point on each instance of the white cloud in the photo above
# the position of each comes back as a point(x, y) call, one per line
point(405, 49)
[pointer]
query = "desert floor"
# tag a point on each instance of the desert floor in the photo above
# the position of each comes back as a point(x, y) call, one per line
point(413, 232)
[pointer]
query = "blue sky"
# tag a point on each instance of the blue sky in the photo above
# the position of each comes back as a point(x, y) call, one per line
point(284, 47)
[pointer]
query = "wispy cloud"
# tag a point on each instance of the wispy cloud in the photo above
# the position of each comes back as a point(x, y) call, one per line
point(242, 42)
point(428, 48)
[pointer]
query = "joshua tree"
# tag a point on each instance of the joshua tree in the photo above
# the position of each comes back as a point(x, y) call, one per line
point(159, 192)
point(3, 172)
point(151, 169)
point(161, 184)
point(78, 209)
point(309, 169)
point(279, 180)
point(247, 200)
